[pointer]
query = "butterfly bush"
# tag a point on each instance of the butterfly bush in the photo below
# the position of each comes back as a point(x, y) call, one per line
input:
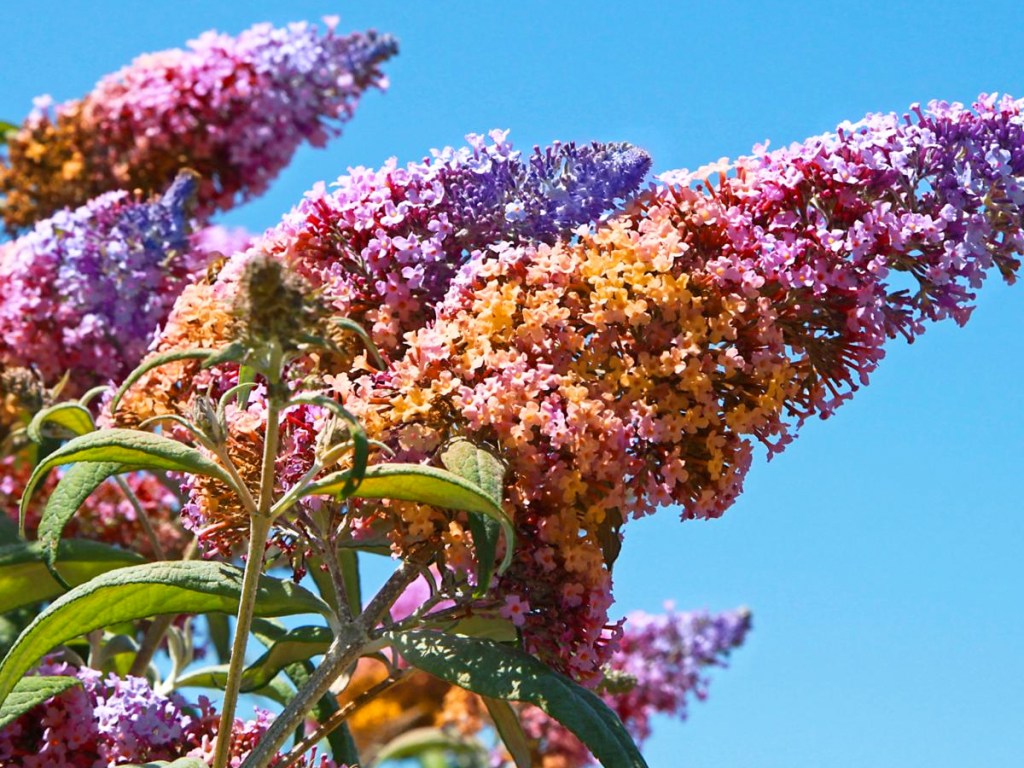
point(85, 290)
point(633, 363)
point(108, 721)
point(234, 109)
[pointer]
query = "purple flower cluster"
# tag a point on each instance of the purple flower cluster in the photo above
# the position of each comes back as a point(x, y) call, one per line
point(386, 244)
point(661, 661)
point(668, 655)
point(86, 289)
point(866, 233)
point(110, 721)
point(234, 109)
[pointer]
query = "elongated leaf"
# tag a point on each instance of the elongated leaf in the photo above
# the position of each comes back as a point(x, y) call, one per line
point(32, 691)
point(486, 472)
point(360, 445)
point(67, 498)
point(156, 361)
point(133, 450)
point(25, 577)
point(71, 416)
point(147, 590)
point(507, 724)
point(500, 672)
point(353, 327)
point(216, 678)
point(8, 531)
point(419, 741)
point(427, 485)
point(299, 644)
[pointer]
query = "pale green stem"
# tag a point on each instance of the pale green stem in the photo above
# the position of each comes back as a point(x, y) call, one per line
point(259, 528)
point(140, 513)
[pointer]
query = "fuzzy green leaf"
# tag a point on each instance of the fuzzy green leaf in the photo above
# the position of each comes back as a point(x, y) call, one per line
point(130, 448)
point(485, 471)
point(299, 644)
point(147, 590)
point(418, 741)
point(501, 672)
point(67, 498)
point(507, 724)
point(426, 485)
point(156, 361)
point(71, 416)
point(32, 691)
point(25, 577)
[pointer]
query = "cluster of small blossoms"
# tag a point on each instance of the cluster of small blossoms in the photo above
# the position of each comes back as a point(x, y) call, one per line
point(107, 515)
point(385, 244)
point(662, 660)
point(109, 721)
point(86, 289)
point(635, 364)
point(635, 367)
point(234, 109)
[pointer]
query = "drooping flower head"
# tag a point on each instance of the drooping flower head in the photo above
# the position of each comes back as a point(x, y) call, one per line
point(638, 366)
point(86, 289)
point(234, 109)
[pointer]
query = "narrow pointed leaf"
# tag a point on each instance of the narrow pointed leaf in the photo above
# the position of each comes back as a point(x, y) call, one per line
point(419, 741)
point(131, 448)
point(67, 498)
point(423, 484)
point(501, 672)
point(507, 724)
point(216, 678)
point(147, 590)
point(71, 416)
point(156, 361)
point(25, 577)
point(32, 691)
point(299, 644)
point(488, 473)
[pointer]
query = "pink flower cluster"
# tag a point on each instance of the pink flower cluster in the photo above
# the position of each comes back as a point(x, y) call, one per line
point(109, 721)
point(234, 109)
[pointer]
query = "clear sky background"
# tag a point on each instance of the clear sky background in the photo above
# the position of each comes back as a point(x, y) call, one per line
point(881, 554)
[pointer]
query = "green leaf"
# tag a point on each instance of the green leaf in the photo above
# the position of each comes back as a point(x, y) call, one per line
point(220, 635)
point(156, 361)
point(26, 579)
point(423, 484)
point(216, 678)
point(6, 131)
point(182, 762)
point(299, 644)
point(32, 691)
point(420, 740)
point(67, 498)
point(501, 672)
point(71, 416)
point(353, 327)
point(132, 449)
point(360, 445)
point(8, 531)
point(147, 590)
point(507, 724)
point(485, 471)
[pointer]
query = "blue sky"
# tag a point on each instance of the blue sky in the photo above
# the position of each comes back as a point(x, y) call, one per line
point(880, 553)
